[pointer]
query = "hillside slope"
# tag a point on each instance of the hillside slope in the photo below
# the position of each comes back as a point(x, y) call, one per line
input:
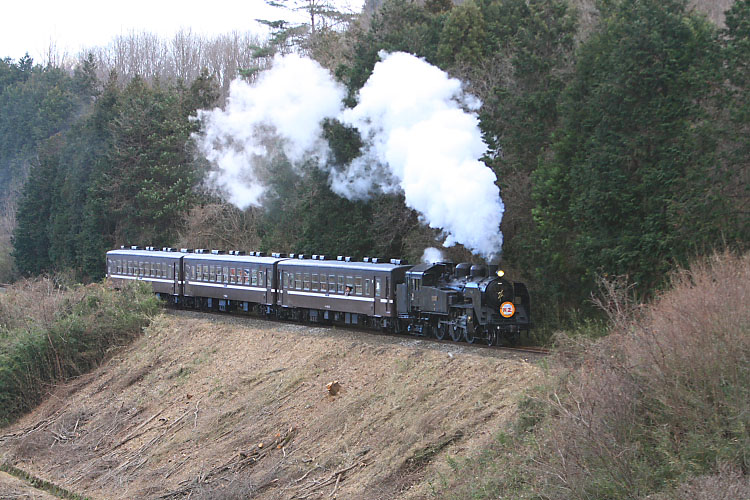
point(218, 407)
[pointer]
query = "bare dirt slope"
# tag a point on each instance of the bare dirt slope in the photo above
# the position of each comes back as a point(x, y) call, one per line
point(222, 407)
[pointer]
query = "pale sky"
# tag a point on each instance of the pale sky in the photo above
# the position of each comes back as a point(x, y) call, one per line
point(73, 25)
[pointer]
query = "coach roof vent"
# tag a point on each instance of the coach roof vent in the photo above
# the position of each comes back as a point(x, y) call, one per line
point(186, 250)
point(217, 252)
point(301, 256)
point(340, 257)
point(366, 259)
point(347, 259)
point(398, 262)
point(374, 260)
point(135, 247)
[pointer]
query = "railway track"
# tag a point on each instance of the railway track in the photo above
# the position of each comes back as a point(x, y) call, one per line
point(479, 346)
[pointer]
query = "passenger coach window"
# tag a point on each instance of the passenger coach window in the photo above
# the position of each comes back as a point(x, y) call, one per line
point(261, 278)
point(358, 285)
point(331, 283)
point(315, 283)
point(323, 283)
point(368, 287)
point(350, 284)
point(377, 286)
point(341, 284)
point(254, 277)
point(307, 281)
point(212, 274)
point(298, 281)
point(226, 275)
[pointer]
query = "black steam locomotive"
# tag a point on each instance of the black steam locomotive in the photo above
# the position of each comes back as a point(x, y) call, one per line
point(463, 302)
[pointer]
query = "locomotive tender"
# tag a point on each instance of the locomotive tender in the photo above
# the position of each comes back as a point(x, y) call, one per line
point(463, 302)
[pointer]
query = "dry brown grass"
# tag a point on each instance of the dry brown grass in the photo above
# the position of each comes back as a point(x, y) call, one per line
point(35, 302)
point(663, 398)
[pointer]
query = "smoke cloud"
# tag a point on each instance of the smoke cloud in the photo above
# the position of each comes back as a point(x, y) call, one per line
point(419, 127)
point(423, 137)
point(286, 105)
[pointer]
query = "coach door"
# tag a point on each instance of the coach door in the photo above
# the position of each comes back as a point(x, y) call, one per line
point(280, 298)
point(388, 300)
point(382, 303)
point(175, 277)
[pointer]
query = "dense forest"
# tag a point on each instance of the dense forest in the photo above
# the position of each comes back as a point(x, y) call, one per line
point(618, 131)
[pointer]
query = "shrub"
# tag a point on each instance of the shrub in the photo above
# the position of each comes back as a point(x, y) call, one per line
point(663, 398)
point(49, 334)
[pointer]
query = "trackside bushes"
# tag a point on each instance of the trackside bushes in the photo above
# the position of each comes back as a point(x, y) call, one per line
point(48, 335)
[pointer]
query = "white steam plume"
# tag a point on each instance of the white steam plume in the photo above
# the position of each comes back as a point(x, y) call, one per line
point(288, 102)
point(423, 138)
point(420, 131)
point(432, 255)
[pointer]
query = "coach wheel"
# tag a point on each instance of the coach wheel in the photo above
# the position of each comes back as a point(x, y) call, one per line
point(469, 337)
point(440, 331)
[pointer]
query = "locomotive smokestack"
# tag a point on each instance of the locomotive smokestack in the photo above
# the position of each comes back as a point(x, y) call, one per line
point(493, 263)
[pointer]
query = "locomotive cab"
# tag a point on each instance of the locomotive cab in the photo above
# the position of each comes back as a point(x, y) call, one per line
point(423, 291)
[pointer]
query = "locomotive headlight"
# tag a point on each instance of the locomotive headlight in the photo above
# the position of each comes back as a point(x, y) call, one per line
point(500, 273)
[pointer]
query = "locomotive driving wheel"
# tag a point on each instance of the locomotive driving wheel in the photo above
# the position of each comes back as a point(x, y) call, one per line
point(456, 332)
point(491, 336)
point(441, 330)
point(470, 337)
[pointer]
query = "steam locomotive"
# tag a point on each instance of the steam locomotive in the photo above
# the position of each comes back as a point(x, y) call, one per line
point(463, 302)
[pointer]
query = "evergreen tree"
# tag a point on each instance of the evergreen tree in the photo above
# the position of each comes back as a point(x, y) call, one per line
point(735, 101)
point(630, 166)
point(31, 236)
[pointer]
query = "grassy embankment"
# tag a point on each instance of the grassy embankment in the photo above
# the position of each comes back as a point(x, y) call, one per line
point(659, 408)
point(49, 334)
